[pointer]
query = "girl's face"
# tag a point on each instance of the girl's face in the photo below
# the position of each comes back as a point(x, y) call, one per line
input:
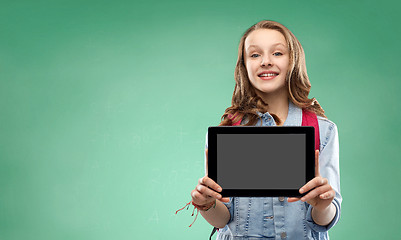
point(266, 60)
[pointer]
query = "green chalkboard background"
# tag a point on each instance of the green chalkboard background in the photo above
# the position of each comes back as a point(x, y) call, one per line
point(105, 106)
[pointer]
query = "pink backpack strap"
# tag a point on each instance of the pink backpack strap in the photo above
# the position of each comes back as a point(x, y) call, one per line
point(310, 119)
point(236, 123)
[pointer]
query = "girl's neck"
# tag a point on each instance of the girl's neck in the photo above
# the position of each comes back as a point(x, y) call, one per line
point(277, 104)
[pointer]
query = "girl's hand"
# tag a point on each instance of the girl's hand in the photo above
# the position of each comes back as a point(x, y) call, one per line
point(207, 191)
point(321, 193)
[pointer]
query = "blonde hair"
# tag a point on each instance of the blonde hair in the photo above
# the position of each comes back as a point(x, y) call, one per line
point(246, 103)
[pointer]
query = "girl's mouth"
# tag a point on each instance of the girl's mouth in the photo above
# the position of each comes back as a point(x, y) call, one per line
point(267, 76)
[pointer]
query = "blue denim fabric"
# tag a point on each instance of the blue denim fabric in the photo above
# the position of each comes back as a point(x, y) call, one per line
point(273, 217)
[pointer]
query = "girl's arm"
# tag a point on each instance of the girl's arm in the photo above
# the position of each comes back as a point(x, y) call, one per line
point(325, 216)
point(217, 216)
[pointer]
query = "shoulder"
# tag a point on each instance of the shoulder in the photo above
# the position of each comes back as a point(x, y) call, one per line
point(328, 131)
point(325, 123)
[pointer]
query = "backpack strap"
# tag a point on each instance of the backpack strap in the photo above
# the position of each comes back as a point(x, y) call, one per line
point(310, 119)
point(235, 123)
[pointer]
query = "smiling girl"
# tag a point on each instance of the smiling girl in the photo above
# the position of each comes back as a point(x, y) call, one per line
point(272, 88)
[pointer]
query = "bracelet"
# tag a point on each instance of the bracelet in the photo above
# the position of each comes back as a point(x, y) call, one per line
point(206, 207)
point(198, 208)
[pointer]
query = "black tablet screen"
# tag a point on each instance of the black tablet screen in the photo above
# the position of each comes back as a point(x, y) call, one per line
point(261, 161)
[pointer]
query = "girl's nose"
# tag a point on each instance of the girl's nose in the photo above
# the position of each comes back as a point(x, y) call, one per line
point(266, 61)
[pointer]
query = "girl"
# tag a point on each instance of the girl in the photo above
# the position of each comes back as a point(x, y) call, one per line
point(272, 88)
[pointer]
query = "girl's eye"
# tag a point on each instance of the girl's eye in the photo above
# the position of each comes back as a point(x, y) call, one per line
point(277, 54)
point(255, 55)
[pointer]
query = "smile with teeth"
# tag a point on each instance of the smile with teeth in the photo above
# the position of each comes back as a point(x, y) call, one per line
point(268, 74)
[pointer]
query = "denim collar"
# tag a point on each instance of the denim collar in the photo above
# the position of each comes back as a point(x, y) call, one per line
point(294, 116)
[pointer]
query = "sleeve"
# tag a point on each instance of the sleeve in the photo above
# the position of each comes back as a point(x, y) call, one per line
point(230, 207)
point(329, 168)
point(230, 204)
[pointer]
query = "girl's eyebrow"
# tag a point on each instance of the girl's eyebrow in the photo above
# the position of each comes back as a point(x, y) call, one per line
point(253, 46)
point(276, 44)
point(256, 46)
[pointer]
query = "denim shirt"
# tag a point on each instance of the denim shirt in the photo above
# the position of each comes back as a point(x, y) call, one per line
point(256, 218)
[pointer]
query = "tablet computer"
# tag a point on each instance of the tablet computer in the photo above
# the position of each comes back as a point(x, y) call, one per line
point(248, 161)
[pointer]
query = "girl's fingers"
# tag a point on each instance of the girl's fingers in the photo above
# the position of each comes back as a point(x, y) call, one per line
point(315, 182)
point(226, 199)
point(208, 188)
point(210, 183)
point(198, 197)
point(316, 192)
point(328, 195)
point(317, 172)
point(208, 192)
point(293, 199)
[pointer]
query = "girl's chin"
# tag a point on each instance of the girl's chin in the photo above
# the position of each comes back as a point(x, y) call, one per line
point(270, 90)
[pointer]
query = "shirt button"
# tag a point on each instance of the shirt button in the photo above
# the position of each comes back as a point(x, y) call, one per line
point(281, 199)
point(283, 235)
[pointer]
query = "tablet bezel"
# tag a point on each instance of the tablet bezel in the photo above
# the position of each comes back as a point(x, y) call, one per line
point(309, 133)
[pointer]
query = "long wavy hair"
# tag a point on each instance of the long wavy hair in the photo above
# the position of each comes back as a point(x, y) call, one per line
point(246, 103)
